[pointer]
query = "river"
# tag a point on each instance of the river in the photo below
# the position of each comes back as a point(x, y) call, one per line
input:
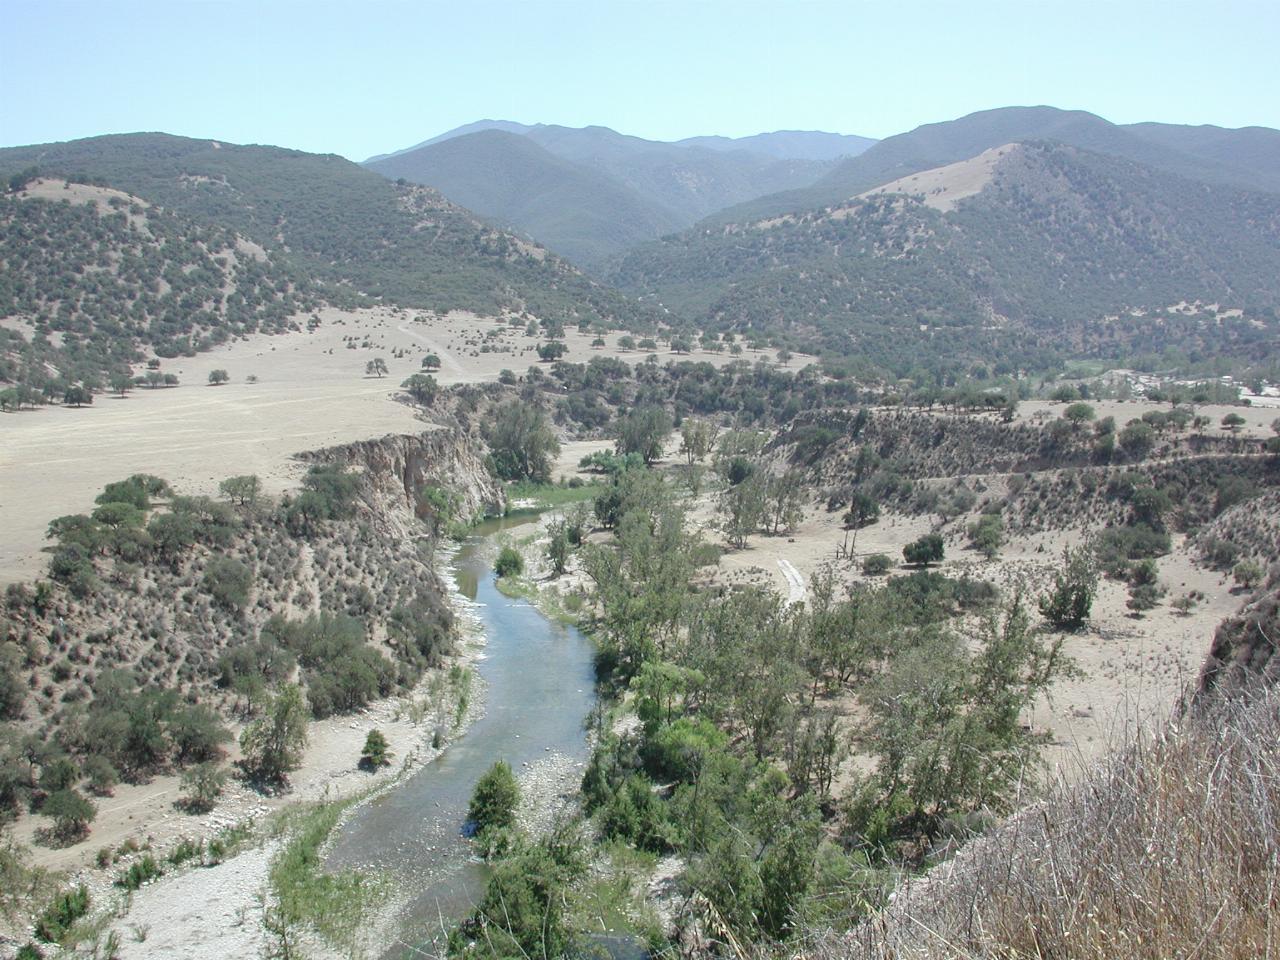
point(539, 689)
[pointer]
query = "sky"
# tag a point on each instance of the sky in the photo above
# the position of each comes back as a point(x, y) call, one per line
point(371, 76)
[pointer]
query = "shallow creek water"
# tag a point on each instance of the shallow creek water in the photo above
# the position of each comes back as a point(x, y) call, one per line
point(539, 689)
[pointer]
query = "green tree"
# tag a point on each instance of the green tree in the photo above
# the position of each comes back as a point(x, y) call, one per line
point(1069, 601)
point(742, 507)
point(495, 799)
point(218, 377)
point(924, 551)
point(697, 439)
point(422, 388)
point(377, 367)
point(431, 362)
point(243, 491)
point(522, 442)
point(863, 510)
point(644, 430)
point(1077, 414)
point(272, 745)
point(77, 395)
point(376, 752)
point(202, 784)
point(558, 547)
point(509, 563)
point(552, 350)
point(1233, 422)
point(71, 813)
point(1137, 439)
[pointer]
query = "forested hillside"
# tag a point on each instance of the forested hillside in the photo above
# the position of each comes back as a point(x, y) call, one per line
point(1248, 159)
point(108, 272)
point(1053, 256)
point(323, 225)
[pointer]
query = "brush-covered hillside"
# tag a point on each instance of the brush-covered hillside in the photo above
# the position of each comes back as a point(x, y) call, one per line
point(1020, 255)
point(1248, 158)
point(197, 235)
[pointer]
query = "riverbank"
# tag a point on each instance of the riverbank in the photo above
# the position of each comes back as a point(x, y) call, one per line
point(217, 911)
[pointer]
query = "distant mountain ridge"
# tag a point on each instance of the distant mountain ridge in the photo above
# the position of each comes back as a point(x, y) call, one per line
point(779, 144)
point(592, 193)
point(1247, 159)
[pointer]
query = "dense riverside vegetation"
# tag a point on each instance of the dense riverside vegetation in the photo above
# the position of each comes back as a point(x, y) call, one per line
point(731, 764)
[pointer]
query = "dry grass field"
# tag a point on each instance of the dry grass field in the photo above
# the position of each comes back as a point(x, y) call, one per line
point(310, 390)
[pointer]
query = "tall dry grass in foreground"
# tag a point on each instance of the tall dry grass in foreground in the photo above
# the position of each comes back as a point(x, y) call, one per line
point(1170, 850)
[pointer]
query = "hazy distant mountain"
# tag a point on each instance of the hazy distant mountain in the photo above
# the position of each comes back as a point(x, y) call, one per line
point(1248, 159)
point(1020, 252)
point(507, 126)
point(573, 209)
point(789, 144)
point(591, 193)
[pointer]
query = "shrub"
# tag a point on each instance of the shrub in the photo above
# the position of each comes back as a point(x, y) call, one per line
point(58, 918)
point(139, 872)
point(509, 563)
point(376, 751)
point(495, 799)
point(101, 774)
point(71, 813)
point(928, 549)
point(1248, 573)
point(987, 535)
point(1068, 603)
point(877, 564)
point(228, 581)
point(203, 785)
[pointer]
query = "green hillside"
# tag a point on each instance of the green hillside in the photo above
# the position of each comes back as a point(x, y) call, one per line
point(102, 278)
point(1246, 159)
point(327, 228)
point(1023, 272)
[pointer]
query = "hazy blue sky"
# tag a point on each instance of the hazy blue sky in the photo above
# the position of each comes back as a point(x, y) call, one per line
point(367, 76)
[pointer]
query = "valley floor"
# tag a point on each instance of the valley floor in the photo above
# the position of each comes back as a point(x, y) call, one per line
point(310, 392)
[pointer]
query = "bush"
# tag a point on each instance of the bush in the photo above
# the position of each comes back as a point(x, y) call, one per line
point(58, 918)
point(635, 814)
point(228, 581)
point(71, 813)
point(203, 785)
point(376, 752)
point(494, 802)
point(101, 774)
point(139, 872)
point(509, 563)
point(928, 549)
point(987, 535)
point(1068, 604)
point(877, 564)
point(1248, 573)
